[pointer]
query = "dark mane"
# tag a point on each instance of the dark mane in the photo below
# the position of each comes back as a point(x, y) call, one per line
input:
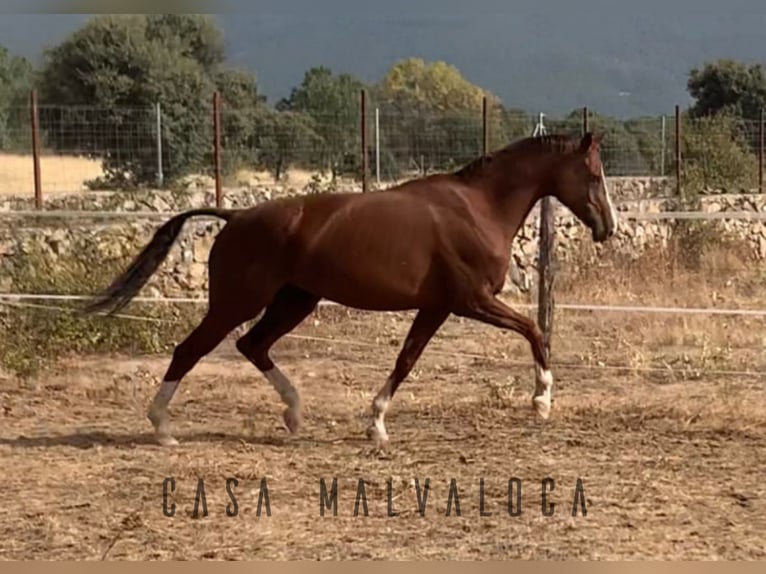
point(555, 143)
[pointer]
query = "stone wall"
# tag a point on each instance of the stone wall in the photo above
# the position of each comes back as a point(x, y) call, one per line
point(185, 271)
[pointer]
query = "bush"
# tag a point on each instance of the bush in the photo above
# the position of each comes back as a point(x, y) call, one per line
point(716, 155)
point(33, 337)
point(125, 65)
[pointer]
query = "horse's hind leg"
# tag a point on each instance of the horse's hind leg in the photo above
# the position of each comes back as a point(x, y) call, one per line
point(288, 309)
point(216, 324)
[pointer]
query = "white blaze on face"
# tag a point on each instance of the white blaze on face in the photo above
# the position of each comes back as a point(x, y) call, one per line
point(612, 210)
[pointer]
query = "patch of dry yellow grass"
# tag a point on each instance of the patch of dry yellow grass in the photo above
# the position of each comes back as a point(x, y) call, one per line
point(294, 177)
point(69, 174)
point(59, 174)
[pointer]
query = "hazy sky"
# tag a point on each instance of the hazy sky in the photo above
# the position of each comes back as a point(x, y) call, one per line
point(532, 53)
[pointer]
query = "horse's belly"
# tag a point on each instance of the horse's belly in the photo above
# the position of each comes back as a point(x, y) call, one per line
point(376, 283)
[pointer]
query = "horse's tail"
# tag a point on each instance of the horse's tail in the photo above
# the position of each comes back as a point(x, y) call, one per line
point(130, 282)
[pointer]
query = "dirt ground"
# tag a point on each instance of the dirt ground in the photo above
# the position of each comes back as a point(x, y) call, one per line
point(670, 455)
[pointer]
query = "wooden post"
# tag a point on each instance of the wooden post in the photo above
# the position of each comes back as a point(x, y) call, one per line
point(545, 272)
point(217, 147)
point(585, 122)
point(484, 126)
point(36, 149)
point(760, 152)
point(365, 157)
point(678, 151)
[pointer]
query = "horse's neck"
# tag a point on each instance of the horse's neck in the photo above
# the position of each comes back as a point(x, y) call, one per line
point(516, 190)
point(511, 201)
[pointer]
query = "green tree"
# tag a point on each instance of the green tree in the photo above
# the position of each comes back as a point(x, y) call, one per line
point(620, 152)
point(431, 116)
point(727, 86)
point(243, 114)
point(648, 134)
point(118, 67)
point(286, 139)
point(16, 77)
point(715, 154)
point(514, 123)
point(332, 102)
point(438, 85)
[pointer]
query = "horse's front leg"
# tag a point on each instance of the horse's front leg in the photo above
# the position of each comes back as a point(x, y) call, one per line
point(490, 310)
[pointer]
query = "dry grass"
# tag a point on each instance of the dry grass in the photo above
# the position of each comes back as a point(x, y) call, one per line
point(59, 174)
point(297, 178)
point(67, 175)
point(722, 278)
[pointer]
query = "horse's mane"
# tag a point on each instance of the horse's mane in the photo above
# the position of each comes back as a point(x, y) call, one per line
point(555, 143)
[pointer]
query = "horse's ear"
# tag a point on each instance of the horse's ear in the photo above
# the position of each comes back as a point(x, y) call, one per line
point(589, 140)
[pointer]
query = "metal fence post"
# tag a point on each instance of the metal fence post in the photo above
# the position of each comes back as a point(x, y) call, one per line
point(363, 127)
point(760, 152)
point(160, 174)
point(35, 124)
point(484, 126)
point(217, 147)
point(377, 146)
point(585, 120)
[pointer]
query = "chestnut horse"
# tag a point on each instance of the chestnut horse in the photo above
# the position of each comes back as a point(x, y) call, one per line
point(439, 245)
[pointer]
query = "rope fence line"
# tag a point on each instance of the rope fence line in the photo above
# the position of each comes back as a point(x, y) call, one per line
point(630, 215)
point(475, 356)
point(324, 303)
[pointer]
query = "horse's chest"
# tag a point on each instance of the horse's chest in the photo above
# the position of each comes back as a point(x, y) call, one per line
point(497, 272)
point(489, 266)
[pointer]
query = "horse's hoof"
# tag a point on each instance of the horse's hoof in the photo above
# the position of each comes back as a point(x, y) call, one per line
point(167, 440)
point(380, 438)
point(542, 406)
point(292, 420)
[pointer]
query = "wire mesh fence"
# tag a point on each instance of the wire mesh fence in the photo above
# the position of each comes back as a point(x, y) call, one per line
point(84, 147)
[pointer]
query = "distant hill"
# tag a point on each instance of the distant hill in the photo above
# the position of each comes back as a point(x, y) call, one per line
point(618, 61)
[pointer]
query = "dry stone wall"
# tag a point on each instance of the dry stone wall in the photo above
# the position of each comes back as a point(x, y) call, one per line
point(184, 273)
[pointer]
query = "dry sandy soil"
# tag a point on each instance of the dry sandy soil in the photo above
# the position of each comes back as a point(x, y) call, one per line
point(672, 456)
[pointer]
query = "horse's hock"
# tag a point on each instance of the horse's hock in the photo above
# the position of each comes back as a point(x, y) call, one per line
point(59, 240)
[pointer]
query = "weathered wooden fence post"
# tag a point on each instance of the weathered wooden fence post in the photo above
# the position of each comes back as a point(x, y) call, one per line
point(678, 151)
point(545, 271)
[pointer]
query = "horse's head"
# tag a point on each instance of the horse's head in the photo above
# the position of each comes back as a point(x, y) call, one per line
point(580, 185)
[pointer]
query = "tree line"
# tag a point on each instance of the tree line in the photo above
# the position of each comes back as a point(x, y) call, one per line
point(114, 70)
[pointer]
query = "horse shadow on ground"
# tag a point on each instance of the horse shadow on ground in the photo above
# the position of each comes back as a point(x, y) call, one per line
point(88, 440)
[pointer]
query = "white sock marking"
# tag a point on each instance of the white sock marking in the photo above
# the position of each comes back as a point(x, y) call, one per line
point(379, 408)
point(543, 384)
point(158, 412)
point(284, 387)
